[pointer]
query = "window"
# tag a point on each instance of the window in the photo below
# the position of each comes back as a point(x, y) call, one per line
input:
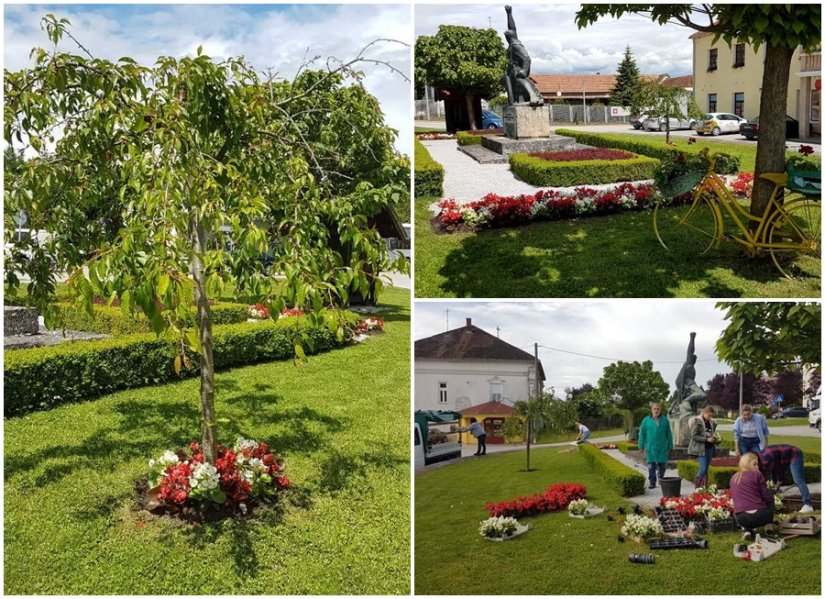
point(711, 102)
point(496, 389)
point(714, 54)
point(739, 104)
point(442, 392)
point(739, 56)
point(814, 117)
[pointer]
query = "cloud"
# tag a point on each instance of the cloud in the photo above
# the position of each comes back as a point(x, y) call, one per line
point(280, 37)
point(656, 330)
point(556, 45)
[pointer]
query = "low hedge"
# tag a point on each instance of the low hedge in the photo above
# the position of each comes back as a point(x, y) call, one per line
point(429, 175)
point(473, 138)
point(110, 320)
point(721, 475)
point(625, 446)
point(622, 479)
point(548, 173)
point(44, 377)
point(725, 164)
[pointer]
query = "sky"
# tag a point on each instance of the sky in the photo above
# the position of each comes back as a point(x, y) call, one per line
point(628, 330)
point(278, 36)
point(557, 46)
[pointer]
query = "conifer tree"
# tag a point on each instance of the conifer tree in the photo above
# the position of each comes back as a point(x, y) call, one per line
point(627, 81)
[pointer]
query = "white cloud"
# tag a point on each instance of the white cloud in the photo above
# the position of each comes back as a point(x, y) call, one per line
point(281, 37)
point(656, 330)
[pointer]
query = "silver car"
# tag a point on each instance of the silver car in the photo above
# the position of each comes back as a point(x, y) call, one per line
point(660, 124)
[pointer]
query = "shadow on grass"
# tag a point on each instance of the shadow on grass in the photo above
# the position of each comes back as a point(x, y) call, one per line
point(340, 471)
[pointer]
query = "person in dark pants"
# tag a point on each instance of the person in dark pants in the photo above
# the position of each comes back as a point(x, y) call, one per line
point(750, 431)
point(479, 433)
point(753, 503)
point(702, 443)
point(774, 460)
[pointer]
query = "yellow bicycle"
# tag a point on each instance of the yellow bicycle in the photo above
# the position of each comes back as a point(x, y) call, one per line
point(790, 229)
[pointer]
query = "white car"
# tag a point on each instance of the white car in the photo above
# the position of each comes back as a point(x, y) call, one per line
point(716, 123)
point(658, 123)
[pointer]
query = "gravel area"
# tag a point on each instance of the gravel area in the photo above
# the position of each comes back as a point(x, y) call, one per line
point(465, 180)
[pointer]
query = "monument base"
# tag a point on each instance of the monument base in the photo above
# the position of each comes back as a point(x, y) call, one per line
point(680, 430)
point(506, 145)
point(523, 121)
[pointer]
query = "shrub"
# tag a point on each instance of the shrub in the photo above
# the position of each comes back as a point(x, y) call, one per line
point(726, 165)
point(44, 377)
point(625, 446)
point(583, 154)
point(473, 138)
point(721, 475)
point(429, 175)
point(622, 479)
point(538, 171)
point(110, 320)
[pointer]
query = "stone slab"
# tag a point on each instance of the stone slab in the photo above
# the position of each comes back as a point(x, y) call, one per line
point(45, 337)
point(483, 155)
point(550, 143)
point(18, 320)
point(522, 122)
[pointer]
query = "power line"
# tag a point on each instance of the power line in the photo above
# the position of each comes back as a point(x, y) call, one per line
point(565, 351)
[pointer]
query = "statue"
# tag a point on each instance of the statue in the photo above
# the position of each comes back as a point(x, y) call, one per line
point(520, 88)
point(688, 394)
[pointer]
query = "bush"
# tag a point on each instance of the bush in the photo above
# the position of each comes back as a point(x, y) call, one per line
point(110, 320)
point(622, 479)
point(625, 446)
point(537, 171)
point(429, 175)
point(726, 165)
point(721, 475)
point(45, 377)
point(473, 138)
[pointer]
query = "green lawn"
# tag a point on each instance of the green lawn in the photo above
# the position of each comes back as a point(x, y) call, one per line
point(342, 424)
point(608, 256)
point(562, 555)
point(804, 443)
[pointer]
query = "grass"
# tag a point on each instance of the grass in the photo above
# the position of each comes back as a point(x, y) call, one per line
point(428, 130)
point(610, 256)
point(562, 555)
point(803, 443)
point(71, 525)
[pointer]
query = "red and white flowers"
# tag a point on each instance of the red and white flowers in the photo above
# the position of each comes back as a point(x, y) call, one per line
point(432, 136)
point(286, 312)
point(371, 324)
point(555, 498)
point(709, 501)
point(259, 312)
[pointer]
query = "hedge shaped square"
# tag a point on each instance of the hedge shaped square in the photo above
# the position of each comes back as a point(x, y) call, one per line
point(429, 175)
point(548, 173)
point(622, 479)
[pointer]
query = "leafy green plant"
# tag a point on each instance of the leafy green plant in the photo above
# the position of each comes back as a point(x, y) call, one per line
point(429, 175)
point(622, 479)
point(538, 171)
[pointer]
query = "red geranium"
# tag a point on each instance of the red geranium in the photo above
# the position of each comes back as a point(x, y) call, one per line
point(174, 487)
point(555, 498)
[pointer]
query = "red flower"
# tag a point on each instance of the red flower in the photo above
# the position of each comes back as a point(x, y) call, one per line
point(806, 150)
point(174, 487)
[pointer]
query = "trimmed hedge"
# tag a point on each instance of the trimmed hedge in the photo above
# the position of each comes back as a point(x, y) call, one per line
point(547, 173)
point(110, 320)
point(625, 446)
point(725, 164)
point(622, 479)
point(44, 377)
point(473, 138)
point(429, 175)
point(721, 475)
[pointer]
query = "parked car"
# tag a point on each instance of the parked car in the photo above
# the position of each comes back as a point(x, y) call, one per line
point(490, 120)
point(794, 412)
point(658, 123)
point(717, 123)
point(638, 120)
point(751, 128)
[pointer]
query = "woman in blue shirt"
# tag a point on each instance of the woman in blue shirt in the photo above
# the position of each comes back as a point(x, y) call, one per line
point(750, 431)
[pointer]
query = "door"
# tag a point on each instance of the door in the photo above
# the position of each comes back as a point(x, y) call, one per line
point(492, 426)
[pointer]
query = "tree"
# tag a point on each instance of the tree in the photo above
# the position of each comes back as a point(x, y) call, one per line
point(544, 413)
point(788, 384)
point(781, 27)
point(723, 390)
point(468, 59)
point(632, 385)
point(198, 156)
point(628, 85)
point(771, 337)
point(665, 101)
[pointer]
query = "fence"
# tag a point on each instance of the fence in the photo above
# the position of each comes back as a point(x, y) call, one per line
point(576, 113)
point(429, 109)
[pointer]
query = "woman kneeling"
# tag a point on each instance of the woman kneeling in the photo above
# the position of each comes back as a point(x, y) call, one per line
point(753, 502)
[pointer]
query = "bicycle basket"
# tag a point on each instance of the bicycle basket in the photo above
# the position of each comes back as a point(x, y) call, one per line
point(683, 184)
point(806, 182)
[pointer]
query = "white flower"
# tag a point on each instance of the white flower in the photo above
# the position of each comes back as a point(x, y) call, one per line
point(168, 458)
point(242, 444)
point(578, 506)
point(498, 526)
point(257, 464)
point(641, 526)
point(204, 476)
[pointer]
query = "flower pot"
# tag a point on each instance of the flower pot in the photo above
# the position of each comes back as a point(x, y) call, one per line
point(520, 529)
point(671, 486)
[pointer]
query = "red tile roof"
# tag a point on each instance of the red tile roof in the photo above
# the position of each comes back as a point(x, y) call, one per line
point(593, 85)
point(683, 81)
point(491, 407)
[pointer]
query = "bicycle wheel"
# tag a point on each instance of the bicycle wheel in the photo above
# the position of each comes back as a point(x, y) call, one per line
point(794, 235)
point(692, 229)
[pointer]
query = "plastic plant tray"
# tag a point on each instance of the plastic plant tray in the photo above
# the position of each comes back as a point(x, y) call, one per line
point(678, 544)
point(671, 520)
point(728, 525)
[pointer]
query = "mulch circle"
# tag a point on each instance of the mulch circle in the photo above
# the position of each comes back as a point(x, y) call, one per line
point(445, 229)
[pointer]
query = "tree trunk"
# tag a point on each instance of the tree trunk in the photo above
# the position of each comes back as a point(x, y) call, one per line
point(470, 110)
point(770, 149)
point(207, 391)
point(529, 435)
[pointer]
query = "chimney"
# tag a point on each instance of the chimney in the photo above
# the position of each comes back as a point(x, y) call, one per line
point(469, 322)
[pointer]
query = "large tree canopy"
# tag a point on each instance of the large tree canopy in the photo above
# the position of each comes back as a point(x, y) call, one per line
point(160, 185)
point(781, 27)
point(468, 59)
point(770, 336)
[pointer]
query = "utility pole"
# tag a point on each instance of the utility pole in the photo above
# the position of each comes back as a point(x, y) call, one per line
point(741, 387)
point(448, 318)
point(498, 332)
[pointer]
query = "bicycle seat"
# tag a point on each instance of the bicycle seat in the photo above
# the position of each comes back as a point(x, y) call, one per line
point(775, 178)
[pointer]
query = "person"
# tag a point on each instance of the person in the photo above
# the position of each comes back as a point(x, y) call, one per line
point(753, 503)
point(516, 78)
point(750, 431)
point(584, 433)
point(479, 433)
point(703, 443)
point(656, 441)
point(774, 460)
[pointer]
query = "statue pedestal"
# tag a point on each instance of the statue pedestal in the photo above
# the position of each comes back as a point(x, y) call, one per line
point(522, 121)
point(680, 430)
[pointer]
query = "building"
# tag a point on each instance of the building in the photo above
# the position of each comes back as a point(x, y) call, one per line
point(728, 78)
point(492, 416)
point(468, 367)
point(576, 88)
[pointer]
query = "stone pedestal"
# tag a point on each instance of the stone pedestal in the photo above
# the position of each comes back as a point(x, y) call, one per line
point(681, 430)
point(19, 321)
point(548, 143)
point(522, 122)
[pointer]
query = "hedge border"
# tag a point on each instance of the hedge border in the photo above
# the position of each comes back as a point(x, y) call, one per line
point(429, 174)
point(622, 479)
point(725, 164)
point(547, 173)
point(721, 475)
point(473, 138)
point(46, 377)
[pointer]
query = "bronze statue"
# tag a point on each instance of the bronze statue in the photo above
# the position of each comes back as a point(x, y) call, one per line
point(520, 88)
point(688, 393)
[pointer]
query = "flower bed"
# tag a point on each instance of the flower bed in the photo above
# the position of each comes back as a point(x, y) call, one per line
point(583, 154)
point(371, 324)
point(555, 498)
point(183, 484)
point(500, 528)
point(639, 527)
point(709, 502)
point(496, 211)
point(434, 136)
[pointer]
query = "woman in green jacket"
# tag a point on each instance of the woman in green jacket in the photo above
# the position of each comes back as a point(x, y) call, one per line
point(656, 441)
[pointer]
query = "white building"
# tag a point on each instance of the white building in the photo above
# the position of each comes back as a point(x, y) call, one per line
point(467, 367)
